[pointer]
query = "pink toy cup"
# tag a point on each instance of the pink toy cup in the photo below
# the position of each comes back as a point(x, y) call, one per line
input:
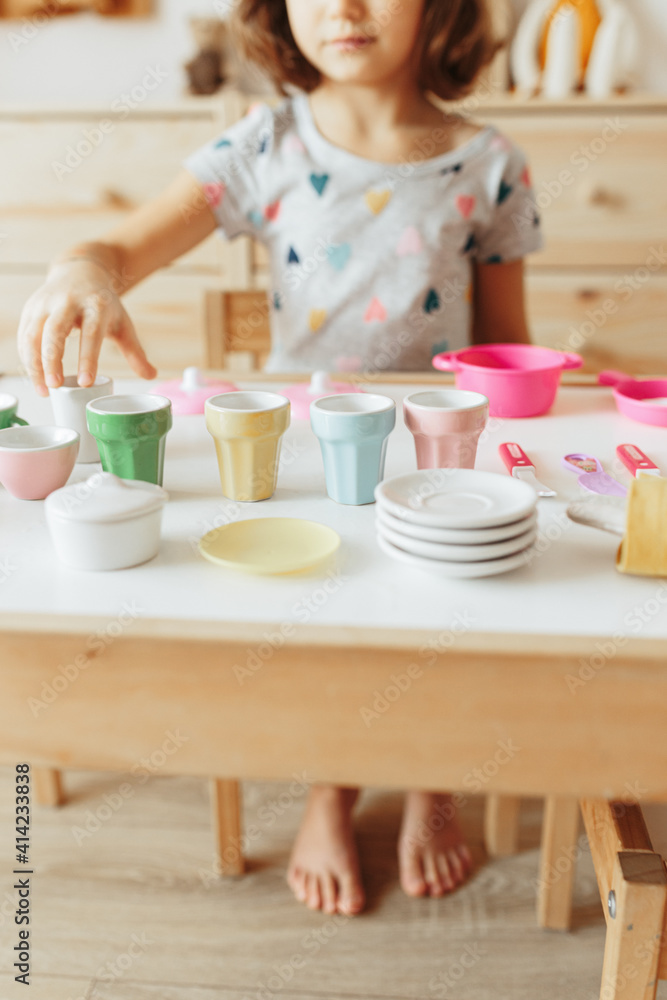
point(35, 461)
point(520, 380)
point(446, 425)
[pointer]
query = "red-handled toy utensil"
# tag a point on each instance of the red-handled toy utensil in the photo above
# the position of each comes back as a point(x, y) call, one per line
point(521, 467)
point(636, 461)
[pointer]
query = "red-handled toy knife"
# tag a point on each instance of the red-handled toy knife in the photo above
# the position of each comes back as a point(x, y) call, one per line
point(521, 467)
point(636, 461)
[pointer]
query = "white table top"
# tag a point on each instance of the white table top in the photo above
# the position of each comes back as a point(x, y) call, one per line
point(572, 587)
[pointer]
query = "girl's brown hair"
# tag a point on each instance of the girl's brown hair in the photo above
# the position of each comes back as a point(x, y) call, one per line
point(455, 43)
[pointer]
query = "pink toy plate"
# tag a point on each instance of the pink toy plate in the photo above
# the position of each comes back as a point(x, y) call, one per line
point(638, 399)
point(302, 394)
point(189, 394)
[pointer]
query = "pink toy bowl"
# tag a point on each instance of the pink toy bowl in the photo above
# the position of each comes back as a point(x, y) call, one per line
point(189, 394)
point(35, 461)
point(519, 380)
point(644, 400)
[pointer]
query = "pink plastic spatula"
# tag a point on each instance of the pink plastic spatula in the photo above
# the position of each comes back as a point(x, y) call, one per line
point(593, 477)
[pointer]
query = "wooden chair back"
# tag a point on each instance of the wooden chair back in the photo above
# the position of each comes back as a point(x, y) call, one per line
point(238, 329)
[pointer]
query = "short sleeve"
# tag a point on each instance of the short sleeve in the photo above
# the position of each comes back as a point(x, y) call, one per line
point(511, 227)
point(230, 171)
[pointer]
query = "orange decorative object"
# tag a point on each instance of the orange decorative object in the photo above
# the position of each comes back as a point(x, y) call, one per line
point(589, 22)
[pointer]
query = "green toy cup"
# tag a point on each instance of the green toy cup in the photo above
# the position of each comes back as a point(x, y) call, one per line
point(8, 406)
point(131, 433)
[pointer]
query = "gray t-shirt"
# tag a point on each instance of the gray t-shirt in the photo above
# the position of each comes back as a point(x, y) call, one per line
point(371, 263)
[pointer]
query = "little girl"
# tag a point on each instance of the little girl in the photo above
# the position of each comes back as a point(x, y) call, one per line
point(395, 231)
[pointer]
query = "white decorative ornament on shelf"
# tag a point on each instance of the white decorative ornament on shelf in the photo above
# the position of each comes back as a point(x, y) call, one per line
point(562, 46)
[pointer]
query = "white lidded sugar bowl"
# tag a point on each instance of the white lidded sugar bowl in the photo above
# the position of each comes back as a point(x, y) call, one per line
point(106, 523)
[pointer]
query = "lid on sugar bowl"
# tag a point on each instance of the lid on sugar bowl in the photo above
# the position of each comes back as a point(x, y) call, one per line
point(105, 498)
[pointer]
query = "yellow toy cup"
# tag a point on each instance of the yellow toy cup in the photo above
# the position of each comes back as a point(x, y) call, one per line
point(247, 428)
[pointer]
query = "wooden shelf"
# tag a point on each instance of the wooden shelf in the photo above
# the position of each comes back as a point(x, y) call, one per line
point(15, 9)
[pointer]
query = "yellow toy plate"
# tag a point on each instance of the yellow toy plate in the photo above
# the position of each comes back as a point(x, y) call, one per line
point(269, 545)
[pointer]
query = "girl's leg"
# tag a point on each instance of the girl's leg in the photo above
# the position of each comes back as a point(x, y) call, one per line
point(432, 854)
point(323, 870)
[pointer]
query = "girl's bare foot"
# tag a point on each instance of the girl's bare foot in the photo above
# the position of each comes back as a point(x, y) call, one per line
point(323, 870)
point(432, 855)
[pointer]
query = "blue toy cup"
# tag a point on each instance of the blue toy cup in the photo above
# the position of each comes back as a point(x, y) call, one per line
point(353, 429)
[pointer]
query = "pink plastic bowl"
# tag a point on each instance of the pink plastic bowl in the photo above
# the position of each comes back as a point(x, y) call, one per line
point(644, 400)
point(519, 380)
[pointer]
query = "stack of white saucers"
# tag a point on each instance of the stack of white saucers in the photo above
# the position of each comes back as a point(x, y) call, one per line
point(457, 522)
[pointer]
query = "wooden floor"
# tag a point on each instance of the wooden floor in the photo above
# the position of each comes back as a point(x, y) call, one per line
point(133, 912)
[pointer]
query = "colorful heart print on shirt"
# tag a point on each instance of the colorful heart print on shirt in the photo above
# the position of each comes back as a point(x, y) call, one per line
point(376, 312)
point(292, 144)
point(431, 302)
point(504, 192)
point(319, 182)
point(317, 319)
point(339, 255)
point(410, 243)
point(272, 211)
point(377, 201)
point(214, 193)
point(465, 203)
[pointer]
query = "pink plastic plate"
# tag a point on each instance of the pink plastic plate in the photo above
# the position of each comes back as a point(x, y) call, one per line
point(189, 394)
point(302, 394)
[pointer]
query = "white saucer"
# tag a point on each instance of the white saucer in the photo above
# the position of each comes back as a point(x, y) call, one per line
point(490, 567)
point(456, 536)
point(458, 553)
point(456, 498)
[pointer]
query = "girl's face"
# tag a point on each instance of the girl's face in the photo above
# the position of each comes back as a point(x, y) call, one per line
point(357, 41)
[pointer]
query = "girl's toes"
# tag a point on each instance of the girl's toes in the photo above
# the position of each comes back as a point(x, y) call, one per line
point(351, 898)
point(313, 897)
point(412, 876)
point(466, 858)
point(456, 869)
point(434, 879)
point(328, 890)
point(447, 874)
point(296, 880)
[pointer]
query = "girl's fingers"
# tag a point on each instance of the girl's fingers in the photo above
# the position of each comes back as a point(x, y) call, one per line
point(57, 327)
point(133, 352)
point(93, 329)
point(30, 350)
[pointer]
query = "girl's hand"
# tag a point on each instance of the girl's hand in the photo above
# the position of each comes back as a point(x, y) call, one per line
point(77, 295)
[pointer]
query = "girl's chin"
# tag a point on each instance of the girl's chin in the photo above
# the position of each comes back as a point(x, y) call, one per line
point(352, 70)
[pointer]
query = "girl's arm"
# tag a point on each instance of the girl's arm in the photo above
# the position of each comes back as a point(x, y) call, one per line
point(499, 304)
point(84, 283)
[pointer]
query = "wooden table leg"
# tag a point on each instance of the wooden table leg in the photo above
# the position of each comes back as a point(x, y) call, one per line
point(635, 927)
point(633, 887)
point(501, 825)
point(48, 786)
point(560, 829)
point(227, 821)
